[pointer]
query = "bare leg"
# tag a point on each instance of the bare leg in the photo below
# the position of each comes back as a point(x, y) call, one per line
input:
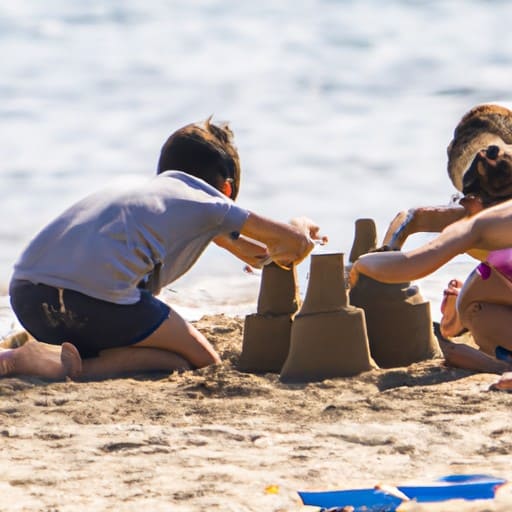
point(504, 383)
point(41, 360)
point(485, 308)
point(496, 289)
point(460, 355)
point(116, 362)
point(450, 323)
point(175, 345)
point(490, 325)
point(178, 336)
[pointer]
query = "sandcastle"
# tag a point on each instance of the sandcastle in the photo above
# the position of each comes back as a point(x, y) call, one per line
point(398, 319)
point(328, 336)
point(266, 338)
point(388, 325)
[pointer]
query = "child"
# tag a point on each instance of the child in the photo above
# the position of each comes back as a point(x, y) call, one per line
point(88, 281)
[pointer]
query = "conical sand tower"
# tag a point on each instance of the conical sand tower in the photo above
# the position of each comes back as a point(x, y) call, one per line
point(398, 319)
point(328, 337)
point(266, 338)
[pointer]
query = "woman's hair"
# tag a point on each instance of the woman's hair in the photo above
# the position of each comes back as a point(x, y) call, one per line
point(204, 150)
point(478, 128)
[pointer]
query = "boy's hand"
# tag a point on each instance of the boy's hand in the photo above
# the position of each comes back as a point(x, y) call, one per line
point(285, 255)
point(287, 244)
point(310, 228)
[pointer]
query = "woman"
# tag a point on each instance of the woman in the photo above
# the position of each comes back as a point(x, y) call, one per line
point(480, 166)
point(484, 302)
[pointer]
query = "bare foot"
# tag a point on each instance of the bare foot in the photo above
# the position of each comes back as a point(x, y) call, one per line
point(41, 360)
point(71, 360)
point(15, 340)
point(6, 362)
point(504, 383)
point(450, 324)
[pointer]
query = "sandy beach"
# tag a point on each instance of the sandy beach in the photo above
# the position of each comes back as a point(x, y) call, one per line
point(218, 439)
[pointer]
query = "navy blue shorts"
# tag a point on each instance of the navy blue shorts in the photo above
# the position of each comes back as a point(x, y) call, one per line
point(56, 315)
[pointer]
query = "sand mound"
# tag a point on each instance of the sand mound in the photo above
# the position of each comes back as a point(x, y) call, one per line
point(219, 439)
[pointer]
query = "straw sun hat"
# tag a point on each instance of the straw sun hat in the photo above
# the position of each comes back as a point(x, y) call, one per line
point(478, 128)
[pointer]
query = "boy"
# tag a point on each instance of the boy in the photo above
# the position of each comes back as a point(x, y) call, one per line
point(88, 281)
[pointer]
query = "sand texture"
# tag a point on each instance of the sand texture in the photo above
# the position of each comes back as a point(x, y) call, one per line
point(220, 440)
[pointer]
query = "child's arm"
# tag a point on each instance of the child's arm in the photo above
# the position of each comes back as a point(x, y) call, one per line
point(285, 244)
point(249, 251)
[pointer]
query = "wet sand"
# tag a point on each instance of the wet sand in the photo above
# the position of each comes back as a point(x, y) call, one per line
point(219, 439)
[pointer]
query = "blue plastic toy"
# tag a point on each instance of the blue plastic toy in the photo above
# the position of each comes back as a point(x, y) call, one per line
point(451, 487)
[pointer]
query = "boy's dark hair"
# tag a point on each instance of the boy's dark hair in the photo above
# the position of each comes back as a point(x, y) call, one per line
point(203, 150)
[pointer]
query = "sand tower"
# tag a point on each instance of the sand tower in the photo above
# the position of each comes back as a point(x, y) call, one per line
point(398, 319)
point(266, 338)
point(328, 336)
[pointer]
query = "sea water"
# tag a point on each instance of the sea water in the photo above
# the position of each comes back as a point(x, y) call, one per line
point(341, 109)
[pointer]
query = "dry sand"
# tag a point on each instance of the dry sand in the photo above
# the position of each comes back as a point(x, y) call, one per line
point(220, 440)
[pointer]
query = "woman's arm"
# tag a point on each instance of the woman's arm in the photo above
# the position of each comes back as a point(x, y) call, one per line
point(489, 229)
point(492, 228)
point(399, 267)
point(420, 220)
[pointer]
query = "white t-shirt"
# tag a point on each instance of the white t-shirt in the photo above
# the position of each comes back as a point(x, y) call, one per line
point(105, 245)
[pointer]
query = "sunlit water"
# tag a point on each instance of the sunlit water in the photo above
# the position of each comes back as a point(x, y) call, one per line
point(341, 110)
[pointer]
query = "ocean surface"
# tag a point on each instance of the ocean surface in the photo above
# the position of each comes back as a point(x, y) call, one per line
point(341, 110)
